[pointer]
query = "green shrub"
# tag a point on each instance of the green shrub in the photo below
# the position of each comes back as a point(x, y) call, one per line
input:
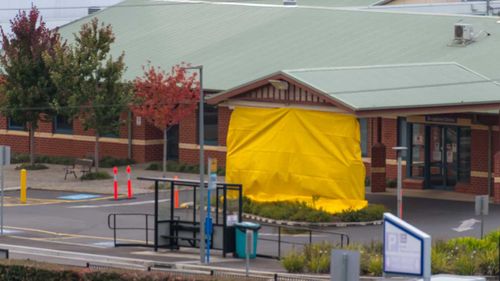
point(318, 257)
point(109, 162)
point(301, 211)
point(487, 262)
point(375, 265)
point(17, 158)
point(391, 183)
point(493, 237)
point(96, 176)
point(371, 212)
point(36, 166)
point(440, 261)
point(294, 262)
point(464, 264)
point(286, 210)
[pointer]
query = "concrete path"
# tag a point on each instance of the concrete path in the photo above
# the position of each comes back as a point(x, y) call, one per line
point(53, 179)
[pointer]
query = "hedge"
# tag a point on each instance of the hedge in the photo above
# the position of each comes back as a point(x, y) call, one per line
point(20, 270)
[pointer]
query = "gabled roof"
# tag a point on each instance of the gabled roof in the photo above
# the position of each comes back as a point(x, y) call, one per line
point(391, 87)
point(237, 43)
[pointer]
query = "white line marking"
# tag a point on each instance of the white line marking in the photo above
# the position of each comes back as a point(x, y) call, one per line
point(466, 225)
point(119, 204)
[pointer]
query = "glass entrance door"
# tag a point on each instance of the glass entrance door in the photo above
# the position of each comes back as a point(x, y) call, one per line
point(442, 164)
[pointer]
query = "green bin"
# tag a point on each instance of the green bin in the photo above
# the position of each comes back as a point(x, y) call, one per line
point(241, 239)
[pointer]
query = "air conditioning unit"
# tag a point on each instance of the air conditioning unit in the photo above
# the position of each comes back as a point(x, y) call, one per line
point(463, 33)
point(93, 9)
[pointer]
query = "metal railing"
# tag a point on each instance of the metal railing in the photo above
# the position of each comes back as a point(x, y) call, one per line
point(113, 226)
point(284, 231)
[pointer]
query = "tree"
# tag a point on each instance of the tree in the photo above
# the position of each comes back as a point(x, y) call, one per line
point(165, 99)
point(92, 80)
point(29, 94)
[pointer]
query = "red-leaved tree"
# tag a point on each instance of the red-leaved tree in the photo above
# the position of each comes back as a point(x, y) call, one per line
point(164, 99)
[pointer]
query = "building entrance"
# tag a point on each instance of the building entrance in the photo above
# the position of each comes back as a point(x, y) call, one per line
point(442, 165)
point(438, 154)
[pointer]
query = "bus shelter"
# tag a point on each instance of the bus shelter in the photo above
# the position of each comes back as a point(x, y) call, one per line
point(176, 214)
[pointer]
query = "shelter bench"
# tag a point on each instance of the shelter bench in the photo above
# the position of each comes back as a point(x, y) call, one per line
point(83, 166)
point(182, 227)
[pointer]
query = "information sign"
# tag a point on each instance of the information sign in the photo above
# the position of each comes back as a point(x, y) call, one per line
point(407, 250)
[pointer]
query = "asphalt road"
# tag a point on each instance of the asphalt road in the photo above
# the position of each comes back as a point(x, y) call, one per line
point(84, 224)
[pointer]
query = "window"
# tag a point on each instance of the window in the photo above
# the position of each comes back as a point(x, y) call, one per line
point(63, 125)
point(363, 126)
point(13, 125)
point(211, 125)
point(402, 135)
point(464, 154)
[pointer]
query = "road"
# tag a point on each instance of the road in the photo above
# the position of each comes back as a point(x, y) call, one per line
point(82, 225)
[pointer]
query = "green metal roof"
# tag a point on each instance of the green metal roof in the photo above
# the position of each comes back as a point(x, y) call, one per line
point(237, 43)
point(318, 3)
point(401, 86)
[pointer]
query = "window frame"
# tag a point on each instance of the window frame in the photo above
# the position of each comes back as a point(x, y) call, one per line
point(58, 130)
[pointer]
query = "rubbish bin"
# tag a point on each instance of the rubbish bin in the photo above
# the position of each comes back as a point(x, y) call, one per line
point(241, 240)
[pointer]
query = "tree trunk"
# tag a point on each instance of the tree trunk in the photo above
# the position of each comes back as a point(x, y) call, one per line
point(165, 152)
point(96, 152)
point(32, 143)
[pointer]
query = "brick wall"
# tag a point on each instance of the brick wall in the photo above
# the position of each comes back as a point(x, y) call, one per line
point(72, 145)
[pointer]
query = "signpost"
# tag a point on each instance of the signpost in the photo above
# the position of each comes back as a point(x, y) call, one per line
point(212, 185)
point(407, 250)
point(4, 160)
point(482, 208)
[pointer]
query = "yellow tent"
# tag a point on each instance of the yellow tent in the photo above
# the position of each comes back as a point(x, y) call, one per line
point(285, 154)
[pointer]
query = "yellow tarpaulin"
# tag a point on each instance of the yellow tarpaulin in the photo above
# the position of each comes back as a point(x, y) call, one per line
point(293, 154)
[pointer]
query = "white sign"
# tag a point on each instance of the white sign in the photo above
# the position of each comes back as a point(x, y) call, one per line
point(407, 250)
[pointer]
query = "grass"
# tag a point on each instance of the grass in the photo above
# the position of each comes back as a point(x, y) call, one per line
point(300, 211)
point(96, 176)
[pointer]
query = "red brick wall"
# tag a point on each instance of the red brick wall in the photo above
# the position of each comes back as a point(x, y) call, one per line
point(82, 148)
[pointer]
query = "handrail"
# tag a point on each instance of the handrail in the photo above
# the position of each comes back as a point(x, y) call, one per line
point(146, 228)
point(343, 236)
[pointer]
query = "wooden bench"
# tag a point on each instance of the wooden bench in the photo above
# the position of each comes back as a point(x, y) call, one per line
point(83, 166)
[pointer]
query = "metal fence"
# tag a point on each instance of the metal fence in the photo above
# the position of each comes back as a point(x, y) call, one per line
point(276, 240)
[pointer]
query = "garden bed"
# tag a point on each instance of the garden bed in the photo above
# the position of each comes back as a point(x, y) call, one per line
point(302, 212)
point(461, 256)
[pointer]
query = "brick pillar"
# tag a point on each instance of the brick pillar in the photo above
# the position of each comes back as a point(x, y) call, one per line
point(378, 181)
point(496, 173)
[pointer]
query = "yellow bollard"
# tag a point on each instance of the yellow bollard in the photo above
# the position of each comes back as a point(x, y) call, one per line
point(23, 186)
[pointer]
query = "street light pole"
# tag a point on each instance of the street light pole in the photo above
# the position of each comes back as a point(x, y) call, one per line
point(201, 133)
point(399, 150)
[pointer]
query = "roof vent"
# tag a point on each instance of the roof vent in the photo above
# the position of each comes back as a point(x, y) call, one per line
point(290, 2)
point(464, 34)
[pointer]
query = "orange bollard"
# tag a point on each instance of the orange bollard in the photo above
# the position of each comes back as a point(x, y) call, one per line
point(115, 182)
point(129, 184)
point(176, 198)
point(176, 194)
